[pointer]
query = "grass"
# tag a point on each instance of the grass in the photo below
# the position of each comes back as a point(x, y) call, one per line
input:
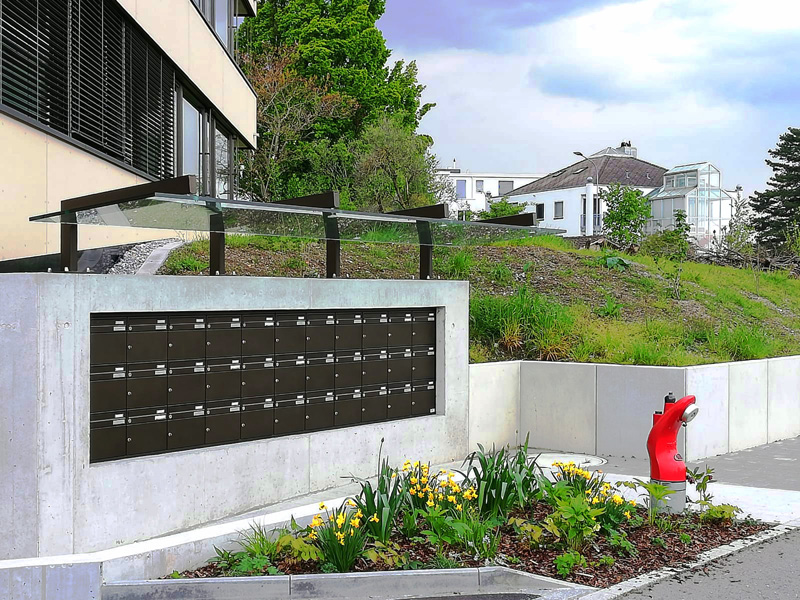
point(553, 242)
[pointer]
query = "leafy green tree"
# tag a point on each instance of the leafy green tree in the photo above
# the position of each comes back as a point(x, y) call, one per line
point(626, 215)
point(670, 250)
point(778, 207)
point(501, 208)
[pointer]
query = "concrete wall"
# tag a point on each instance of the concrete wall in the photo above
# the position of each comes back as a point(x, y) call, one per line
point(60, 504)
point(494, 404)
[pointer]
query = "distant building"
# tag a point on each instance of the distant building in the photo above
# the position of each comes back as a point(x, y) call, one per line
point(475, 190)
point(560, 199)
point(697, 190)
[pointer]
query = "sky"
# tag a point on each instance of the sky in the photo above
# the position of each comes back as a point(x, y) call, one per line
point(521, 84)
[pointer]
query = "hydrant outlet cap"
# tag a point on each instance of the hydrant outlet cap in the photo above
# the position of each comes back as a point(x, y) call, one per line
point(669, 399)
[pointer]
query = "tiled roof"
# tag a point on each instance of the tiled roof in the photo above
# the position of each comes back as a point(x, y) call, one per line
point(611, 169)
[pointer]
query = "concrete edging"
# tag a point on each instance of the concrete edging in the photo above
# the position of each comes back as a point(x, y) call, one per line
point(376, 586)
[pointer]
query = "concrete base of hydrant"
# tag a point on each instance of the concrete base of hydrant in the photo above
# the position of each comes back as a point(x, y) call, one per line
point(676, 501)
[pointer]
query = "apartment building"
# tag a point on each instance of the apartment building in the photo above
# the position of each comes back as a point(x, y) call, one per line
point(102, 94)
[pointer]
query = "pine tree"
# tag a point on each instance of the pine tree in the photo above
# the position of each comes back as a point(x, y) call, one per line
point(778, 207)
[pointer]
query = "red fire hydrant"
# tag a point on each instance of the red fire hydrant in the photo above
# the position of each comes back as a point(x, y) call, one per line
point(666, 463)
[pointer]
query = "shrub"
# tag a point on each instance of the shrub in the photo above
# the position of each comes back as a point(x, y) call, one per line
point(574, 521)
point(626, 215)
point(566, 563)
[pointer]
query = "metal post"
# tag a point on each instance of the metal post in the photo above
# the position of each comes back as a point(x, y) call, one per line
point(216, 244)
point(333, 258)
point(425, 250)
point(69, 247)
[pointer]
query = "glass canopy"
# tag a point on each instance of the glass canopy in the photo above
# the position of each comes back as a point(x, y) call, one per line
point(207, 214)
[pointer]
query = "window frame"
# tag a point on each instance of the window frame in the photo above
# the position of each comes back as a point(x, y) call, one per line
point(539, 205)
point(556, 205)
point(500, 183)
point(479, 187)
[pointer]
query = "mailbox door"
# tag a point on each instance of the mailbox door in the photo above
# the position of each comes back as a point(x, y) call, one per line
point(320, 339)
point(424, 366)
point(107, 392)
point(258, 379)
point(347, 412)
point(320, 373)
point(401, 329)
point(424, 330)
point(319, 415)
point(373, 404)
point(107, 348)
point(147, 432)
point(348, 331)
point(186, 389)
point(375, 330)
point(290, 418)
point(399, 366)
point(290, 334)
point(423, 400)
point(258, 420)
point(348, 371)
point(183, 344)
point(399, 403)
point(107, 436)
point(186, 427)
point(148, 386)
point(258, 335)
point(290, 379)
point(374, 368)
point(224, 336)
point(223, 422)
point(223, 379)
point(147, 346)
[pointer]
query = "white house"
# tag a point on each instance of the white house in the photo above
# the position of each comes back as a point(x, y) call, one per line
point(560, 199)
point(474, 191)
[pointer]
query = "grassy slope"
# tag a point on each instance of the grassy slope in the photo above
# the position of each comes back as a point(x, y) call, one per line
point(545, 300)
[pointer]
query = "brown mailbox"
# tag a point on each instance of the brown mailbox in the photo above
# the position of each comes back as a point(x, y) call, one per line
point(320, 411)
point(321, 332)
point(186, 337)
point(186, 381)
point(348, 369)
point(400, 364)
point(320, 371)
point(290, 414)
point(107, 436)
point(107, 340)
point(107, 388)
point(147, 385)
point(258, 334)
point(223, 378)
point(290, 333)
point(424, 329)
point(349, 330)
point(258, 418)
point(374, 367)
point(399, 402)
point(223, 423)
point(401, 329)
point(147, 338)
point(224, 336)
point(347, 407)
point(375, 329)
point(258, 376)
point(290, 374)
point(423, 398)
point(373, 403)
point(424, 366)
point(147, 431)
point(186, 426)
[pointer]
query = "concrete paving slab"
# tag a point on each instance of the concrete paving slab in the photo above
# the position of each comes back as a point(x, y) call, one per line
point(242, 588)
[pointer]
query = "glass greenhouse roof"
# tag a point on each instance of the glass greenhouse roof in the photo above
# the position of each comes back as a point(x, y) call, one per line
point(665, 192)
point(684, 168)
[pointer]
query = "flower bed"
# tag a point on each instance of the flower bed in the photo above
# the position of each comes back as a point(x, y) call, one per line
point(500, 510)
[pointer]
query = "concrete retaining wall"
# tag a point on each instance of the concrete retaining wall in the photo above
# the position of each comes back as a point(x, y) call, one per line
point(56, 503)
point(607, 409)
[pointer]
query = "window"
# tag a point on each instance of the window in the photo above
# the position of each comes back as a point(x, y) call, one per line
point(479, 186)
point(669, 182)
point(223, 176)
point(222, 11)
point(581, 170)
point(540, 212)
point(191, 141)
point(461, 188)
point(505, 187)
point(558, 210)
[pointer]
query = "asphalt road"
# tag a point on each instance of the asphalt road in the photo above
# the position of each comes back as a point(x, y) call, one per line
point(765, 571)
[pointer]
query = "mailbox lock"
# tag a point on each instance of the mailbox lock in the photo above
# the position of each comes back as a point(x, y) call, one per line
point(244, 341)
point(390, 335)
point(336, 375)
point(390, 370)
point(244, 383)
point(208, 428)
point(169, 389)
point(129, 439)
point(169, 434)
point(277, 339)
point(308, 378)
point(208, 343)
point(363, 372)
point(276, 420)
point(130, 393)
point(337, 337)
point(413, 403)
point(277, 380)
point(388, 406)
point(242, 424)
point(336, 413)
point(363, 410)
point(130, 347)
point(308, 338)
point(170, 344)
point(208, 386)
point(306, 416)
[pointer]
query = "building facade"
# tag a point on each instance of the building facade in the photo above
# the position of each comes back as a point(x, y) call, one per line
point(560, 199)
point(474, 191)
point(102, 94)
point(697, 190)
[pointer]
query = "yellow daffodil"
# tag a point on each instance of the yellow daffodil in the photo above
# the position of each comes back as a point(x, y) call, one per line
point(617, 499)
point(627, 513)
point(632, 502)
point(451, 499)
point(312, 535)
point(340, 520)
point(424, 480)
point(458, 507)
point(374, 518)
point(317, 521)
point(429, 503)
point(339, 536)
point(441, 497)
point(413, 481)
point(394, 475)
point(595, 500)
point(322, 506)
point(359, 514)
point(350, 503)
point(355, 522)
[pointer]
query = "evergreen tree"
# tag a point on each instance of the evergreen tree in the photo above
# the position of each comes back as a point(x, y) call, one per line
point(778, 207)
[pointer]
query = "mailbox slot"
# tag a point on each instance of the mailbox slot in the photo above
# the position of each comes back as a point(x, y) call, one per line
point(258, 334)
point(375, 330)
point(399, 402)
point(401, 329)
point(290, 334)
point(424, 330)
point(290, 414)
point(423, 398)
point(400, 364)
point(186, 337)
point(320, 371)
point(107, 340)
point(258, 419)
point(147, 385)
point(224, 336)
point(321, 332)
point(147, 431)
point(424, 366)
point(258, 377)
point(186, 382)
point(107, 388)
point(374, 367)
point(373, 403)
point(290, 374)
point(223, 378)
point(223, 423)
point(107, 436)
point(186, 426)
point(349, 330)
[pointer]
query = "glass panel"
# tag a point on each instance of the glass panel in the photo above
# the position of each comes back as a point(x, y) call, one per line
point(461, 188)
point(221, 10)
point(558, 213)
point(222, 162)
point(191, 139)
point(680, 181)
point(479, 186)
point(713, 179)
point(505, 187)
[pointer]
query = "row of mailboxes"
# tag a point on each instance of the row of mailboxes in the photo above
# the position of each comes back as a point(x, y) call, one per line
point(140, 385)
point(136, 432)
point(153, 338)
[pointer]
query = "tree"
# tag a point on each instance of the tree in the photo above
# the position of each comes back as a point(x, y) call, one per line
point(627, 213)
point(501, 208)
point(669, 250)
point(394, 169)
point(777, 207)
point(289, 107)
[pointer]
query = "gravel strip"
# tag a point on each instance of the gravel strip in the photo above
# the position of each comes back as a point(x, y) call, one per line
point(133, 259)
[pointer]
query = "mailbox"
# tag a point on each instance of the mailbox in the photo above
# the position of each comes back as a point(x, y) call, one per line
point(347, 407)
point(147, 339)
point(424, 366)
point(147, 385)
point(223, 423)
point(320, 411)
point(424, 329)
point(224, 336)
point(107, 388)
point(400, 329)
point(223, 378)
point(349, 330)
point(374, 367)
point(290, 374)
point(400, 364)
point(375, 329)
point(258, 376)
point(290, 334)
point(186, 426)
point(374, 402)
point(348, 369)
point(186, 381)
point(258, 334)
point(107, 340)
point(107, 436)
point(258, 418)
point(320, 371)
point(399, 401)
point(186, 337)
point(147, 431)
point(290, 414)
point(320, 332)
point(423, 398)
